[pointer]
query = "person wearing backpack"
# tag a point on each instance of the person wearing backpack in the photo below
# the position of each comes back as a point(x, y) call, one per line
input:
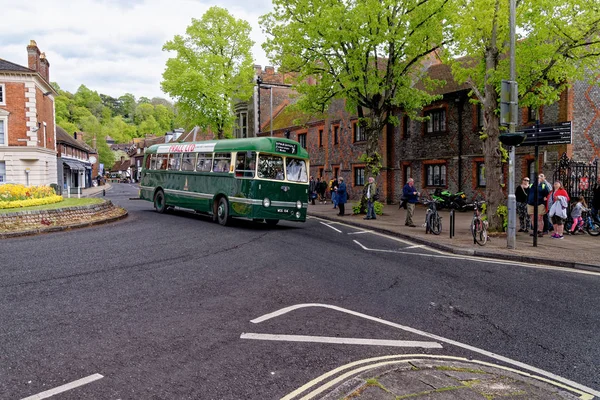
point(543, 193)
point(371, 195)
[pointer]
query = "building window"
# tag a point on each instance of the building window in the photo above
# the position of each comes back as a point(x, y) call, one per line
point(336, 134)
point(2, 172)
point(405, 127)
point(2, 94)
point(3, 135)
point(436, 175)
point(359, 133)
point(336, 171)
point(479, 116)
point(320, 137)
point(302, 140)
point(480, 166)
point(531, 114)
point(359, 176)
point(436, 122)
point(321, 172)
point(407, 173)
point(242, 125)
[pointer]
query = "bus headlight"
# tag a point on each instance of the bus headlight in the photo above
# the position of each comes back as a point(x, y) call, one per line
point(298, 204)
point(298, 215)
point(266, 202)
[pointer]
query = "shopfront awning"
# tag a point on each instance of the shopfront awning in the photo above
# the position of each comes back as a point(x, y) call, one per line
point(74, 165)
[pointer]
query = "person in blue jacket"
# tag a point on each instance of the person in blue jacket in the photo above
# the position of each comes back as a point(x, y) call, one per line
point(411, 197)
point(342, 196)
point(543, 192)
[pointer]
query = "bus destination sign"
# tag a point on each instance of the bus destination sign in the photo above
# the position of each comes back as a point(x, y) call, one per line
point(288, 148)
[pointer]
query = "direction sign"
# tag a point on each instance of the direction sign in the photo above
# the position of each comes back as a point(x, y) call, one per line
point(548, 134)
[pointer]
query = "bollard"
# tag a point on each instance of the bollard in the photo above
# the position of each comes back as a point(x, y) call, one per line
point(452, 223)
point(103, 192)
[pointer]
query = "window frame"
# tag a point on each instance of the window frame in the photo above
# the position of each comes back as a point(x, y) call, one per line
point(3, 173)
point(244, 173)
point(174, 156)
point(4, 121)
point(431, 113)
point(357, 178)
point(221, 158)
point(480, 174)
point(432, 166)
point(405, 127)
point(357, 133)
point(320, 137)
point(302, 137)
point(3, 94)
point(406, 172)
point(336, 134)
point(194, 158)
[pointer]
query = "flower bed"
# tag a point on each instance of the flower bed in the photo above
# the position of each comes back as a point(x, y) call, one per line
point(15, 196)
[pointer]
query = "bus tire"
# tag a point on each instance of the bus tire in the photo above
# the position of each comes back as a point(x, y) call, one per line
point(160, 204)
point(223, 217)
point(271, 222)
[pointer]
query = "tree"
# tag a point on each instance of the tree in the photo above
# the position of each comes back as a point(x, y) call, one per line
point(164, 116)
point(367, 52)
point(212, 67)
point(128, 104)
point(558, 42)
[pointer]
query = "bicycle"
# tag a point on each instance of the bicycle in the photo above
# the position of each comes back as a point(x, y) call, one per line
point(479, 227)
point(590, 225)
point(433, 220)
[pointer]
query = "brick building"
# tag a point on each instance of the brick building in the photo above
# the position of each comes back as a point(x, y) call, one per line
point(443, 152)
point(77, 162)
point(27, 129)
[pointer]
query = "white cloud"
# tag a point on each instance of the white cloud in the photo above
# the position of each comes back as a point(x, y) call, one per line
point(111, 46)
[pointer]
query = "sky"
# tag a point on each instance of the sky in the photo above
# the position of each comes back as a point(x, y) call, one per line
point(111, 46)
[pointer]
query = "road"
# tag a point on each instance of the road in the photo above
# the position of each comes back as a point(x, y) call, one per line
point(160, 307)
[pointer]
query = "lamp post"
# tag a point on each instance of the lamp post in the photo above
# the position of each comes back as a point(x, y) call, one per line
point(512, 201)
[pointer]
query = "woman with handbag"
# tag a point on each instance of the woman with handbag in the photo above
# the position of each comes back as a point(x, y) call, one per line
point(558, 201)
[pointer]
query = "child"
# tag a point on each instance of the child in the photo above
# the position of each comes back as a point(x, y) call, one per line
point(580, 207)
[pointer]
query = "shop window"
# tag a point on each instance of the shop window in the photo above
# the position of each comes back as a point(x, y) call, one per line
point(436, 175)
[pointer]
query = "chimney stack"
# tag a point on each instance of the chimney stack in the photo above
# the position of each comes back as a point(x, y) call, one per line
point(45, 67)
point(33, 56)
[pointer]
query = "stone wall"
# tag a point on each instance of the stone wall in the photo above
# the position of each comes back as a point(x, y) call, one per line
point(43, 219)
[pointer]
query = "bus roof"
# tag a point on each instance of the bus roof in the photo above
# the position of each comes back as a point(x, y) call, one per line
point(262, 144)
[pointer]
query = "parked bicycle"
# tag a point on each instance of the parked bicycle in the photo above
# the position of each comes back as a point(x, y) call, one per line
point(433, 220)
point(479, 226)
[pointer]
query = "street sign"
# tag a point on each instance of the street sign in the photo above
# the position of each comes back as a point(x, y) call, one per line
point(548, 134)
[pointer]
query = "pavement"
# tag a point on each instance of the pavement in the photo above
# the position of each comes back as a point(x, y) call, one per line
point(579, 251)
point(95, 191)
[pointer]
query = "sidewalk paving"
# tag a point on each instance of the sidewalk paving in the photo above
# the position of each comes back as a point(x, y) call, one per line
point(441, 380)
point(95, 190)
point(580, 251)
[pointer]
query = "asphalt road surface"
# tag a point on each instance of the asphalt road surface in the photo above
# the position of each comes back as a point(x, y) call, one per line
point(160, 307)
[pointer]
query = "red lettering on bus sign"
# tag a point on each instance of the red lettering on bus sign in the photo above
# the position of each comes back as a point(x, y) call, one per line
point(181, 148)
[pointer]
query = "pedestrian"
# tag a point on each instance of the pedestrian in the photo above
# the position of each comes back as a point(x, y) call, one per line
point(558, 201)
point(595, 209)
point(576, 212)
point(521, 194)
point(333, 186)
point(312, 189)
point(341, 196)
point(370, 192)
point(547, 223)
point(543, 191)
point(409, 192)
point(322, 188)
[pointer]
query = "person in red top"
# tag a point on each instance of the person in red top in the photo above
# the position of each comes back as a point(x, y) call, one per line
point(559, 199)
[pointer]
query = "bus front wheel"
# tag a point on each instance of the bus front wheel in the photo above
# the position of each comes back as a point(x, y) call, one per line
point(160, 205)
point(223, 212)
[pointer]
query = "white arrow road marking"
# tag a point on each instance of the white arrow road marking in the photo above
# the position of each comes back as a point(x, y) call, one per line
point(417, 246)
point(359, 232)
point(431, 336)
point(65, 387)
point(338, 340)
point(329, 226)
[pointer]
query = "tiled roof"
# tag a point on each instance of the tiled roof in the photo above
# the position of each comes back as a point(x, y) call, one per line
point(12, 67)
point(63, 137)
point(119, 166)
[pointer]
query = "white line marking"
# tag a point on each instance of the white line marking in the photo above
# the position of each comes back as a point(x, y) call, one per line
point(416, 246)
point(339, 340)
point(431, 336)
point(359, 232)
point(65, 387)
point(329, 226)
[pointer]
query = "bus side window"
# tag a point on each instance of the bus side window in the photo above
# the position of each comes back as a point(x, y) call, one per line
point(188, 161)
point(221, 162)
point(152, 161)
point(161, 162)
point(245, 164)
point(174, 161)
point(204, 162)
point(147, 163)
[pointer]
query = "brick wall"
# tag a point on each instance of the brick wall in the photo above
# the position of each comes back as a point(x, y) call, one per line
point(15, 104)
point(586, 120)
point(45, 114)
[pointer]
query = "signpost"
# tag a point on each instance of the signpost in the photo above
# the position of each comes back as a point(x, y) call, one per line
point(544, 135)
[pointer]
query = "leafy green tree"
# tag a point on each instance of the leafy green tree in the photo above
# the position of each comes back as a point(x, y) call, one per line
point(558, 42)
point(127, 106)
point(164, 116)
point(142, 112)
point(90, 99)
point(368, 52)
point(213, 66)
point(149, 126)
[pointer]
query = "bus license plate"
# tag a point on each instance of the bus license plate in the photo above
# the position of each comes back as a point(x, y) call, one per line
point(282, 210)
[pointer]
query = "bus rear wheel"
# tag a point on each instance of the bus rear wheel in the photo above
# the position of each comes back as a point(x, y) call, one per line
point(272, 222)
point(160, 205)
point(223, 217)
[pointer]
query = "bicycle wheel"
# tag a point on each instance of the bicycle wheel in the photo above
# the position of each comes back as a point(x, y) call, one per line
point(435, 223)
point(480, 233)
point(593, 229)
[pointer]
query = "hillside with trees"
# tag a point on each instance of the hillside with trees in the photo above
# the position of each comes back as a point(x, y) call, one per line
point(122, 118)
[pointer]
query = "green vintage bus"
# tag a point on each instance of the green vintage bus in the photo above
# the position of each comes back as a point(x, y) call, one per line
point(256, 178)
